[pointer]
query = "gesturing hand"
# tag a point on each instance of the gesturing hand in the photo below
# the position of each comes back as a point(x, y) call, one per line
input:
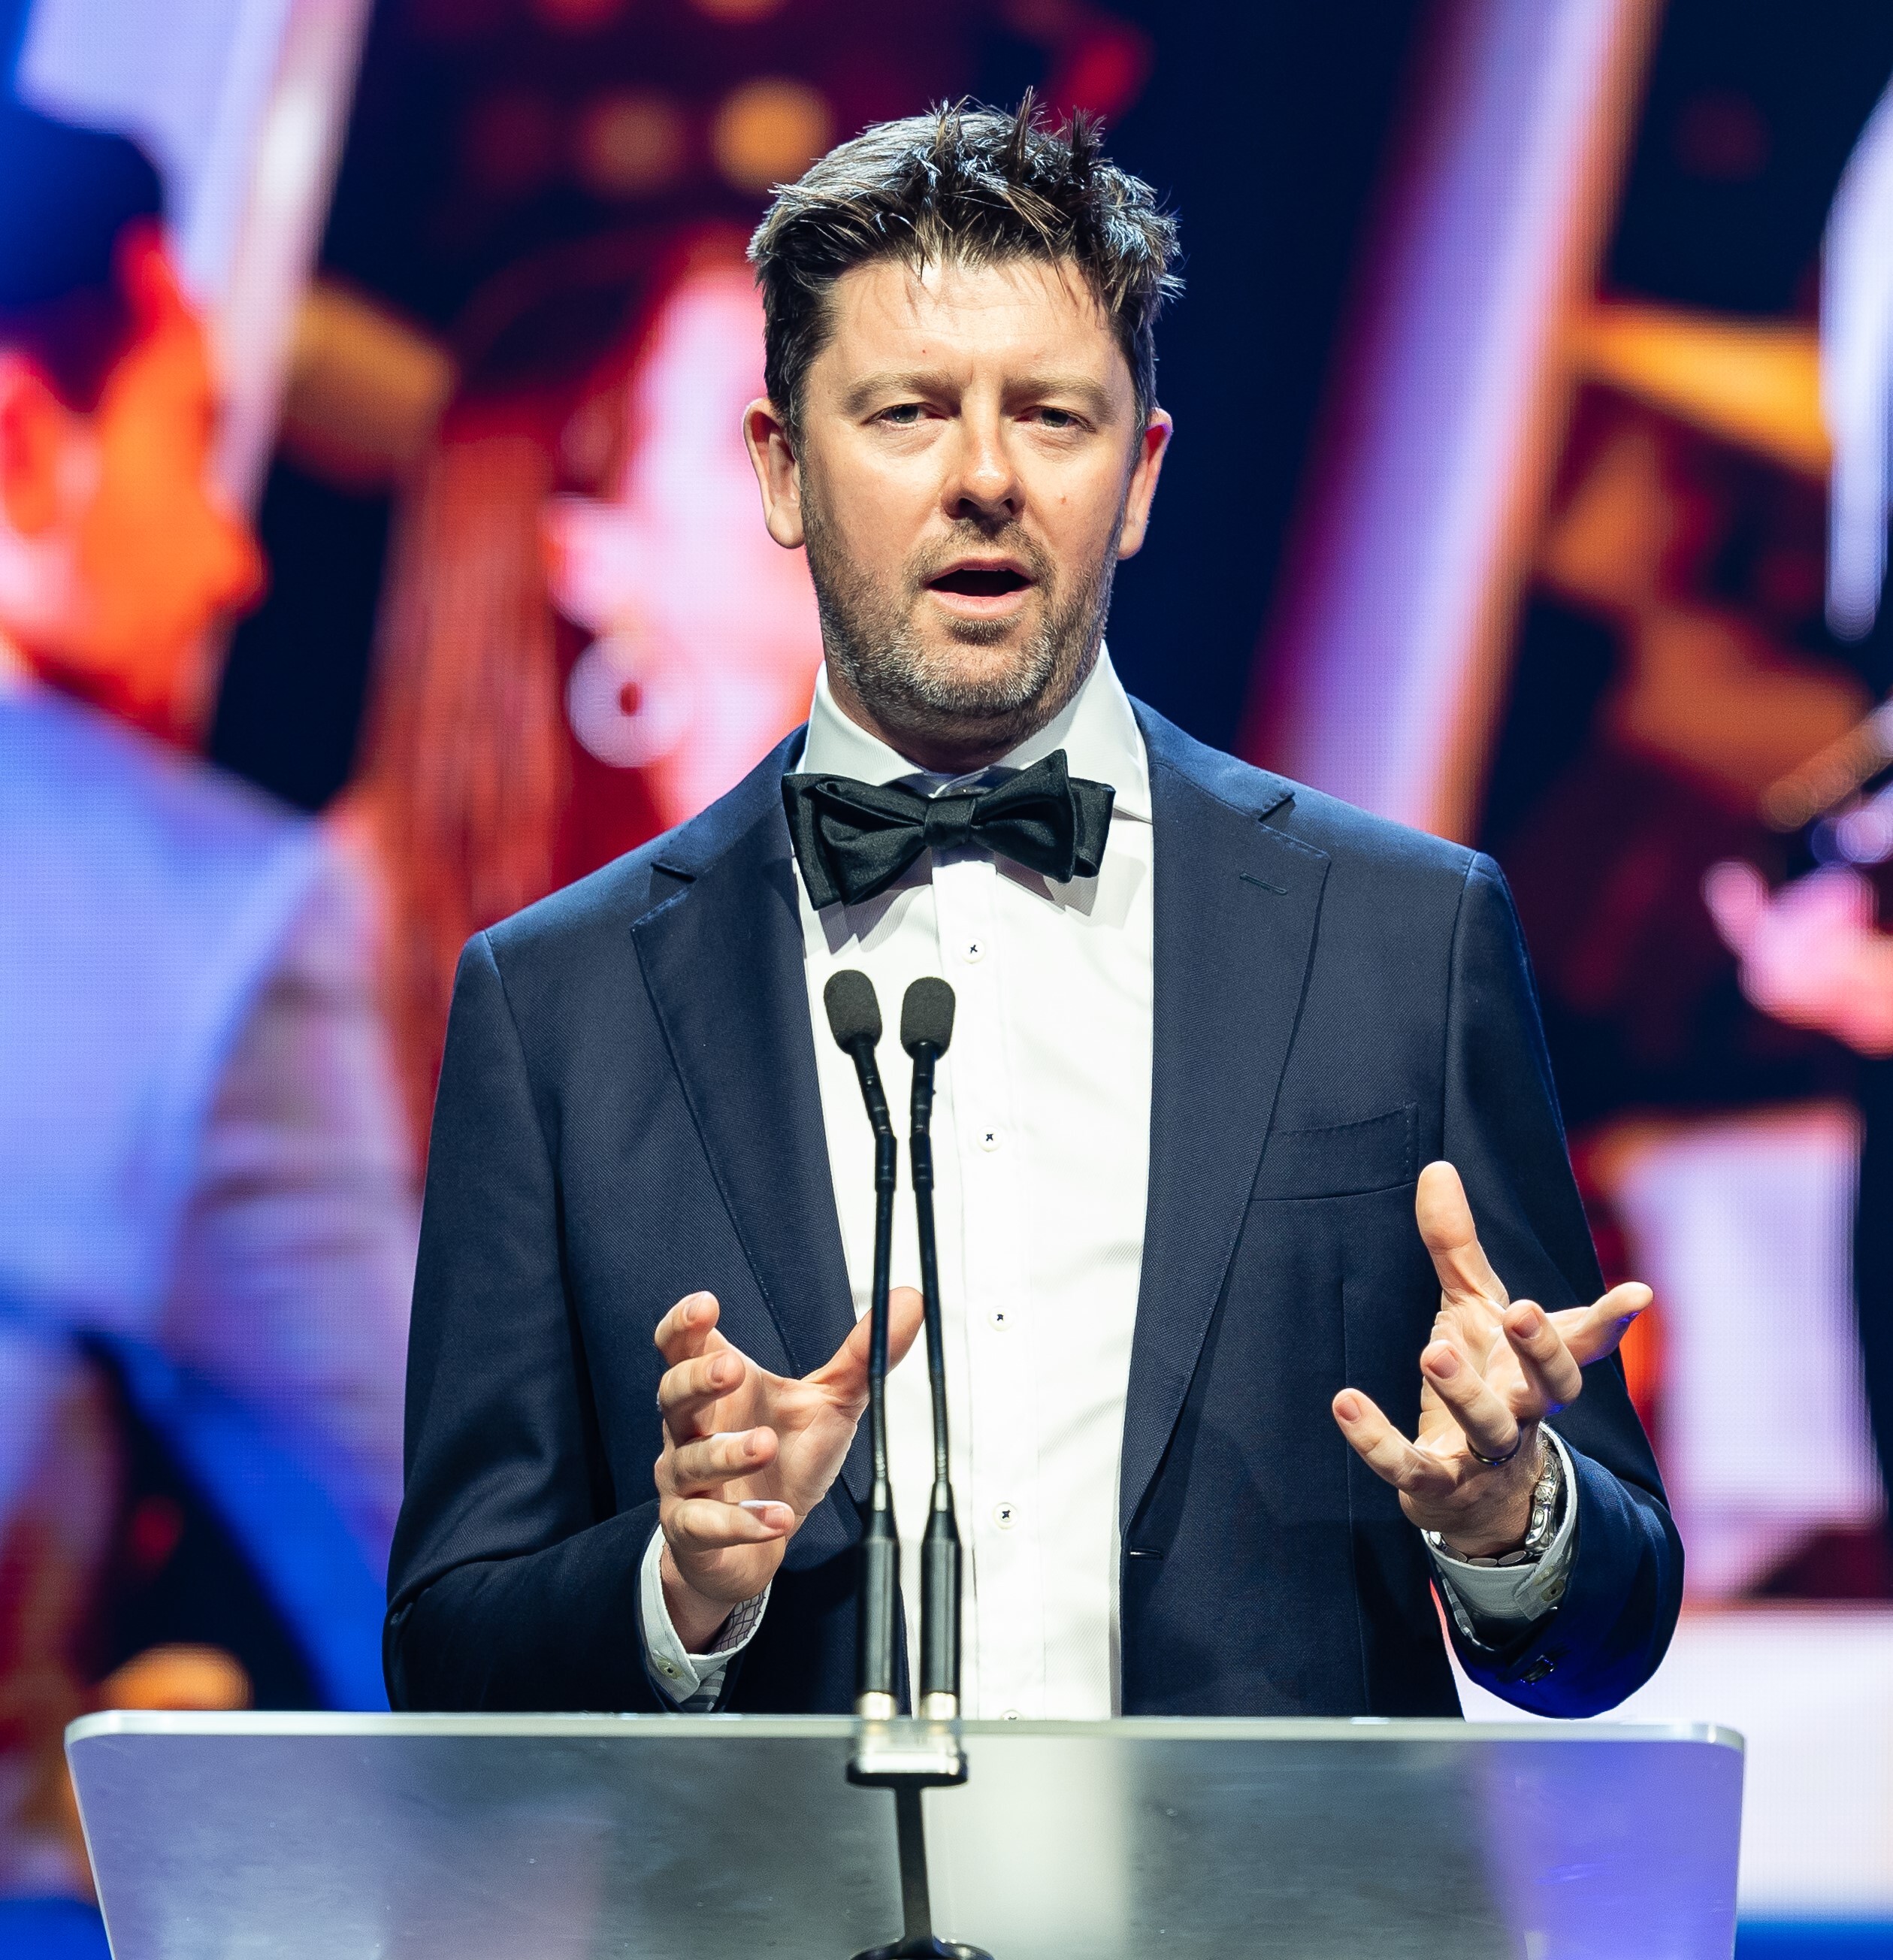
point(748, 1454)
point(1492, 1371)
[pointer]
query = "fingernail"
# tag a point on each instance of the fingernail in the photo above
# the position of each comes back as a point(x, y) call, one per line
point(1347, 1408)
point(1530, 1320)
point(1445, 1364)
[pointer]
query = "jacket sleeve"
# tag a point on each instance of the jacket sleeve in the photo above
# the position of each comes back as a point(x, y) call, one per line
point(1504, 1132)
point(513, 1583)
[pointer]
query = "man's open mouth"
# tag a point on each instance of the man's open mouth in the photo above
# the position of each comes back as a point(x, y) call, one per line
point(974, 582)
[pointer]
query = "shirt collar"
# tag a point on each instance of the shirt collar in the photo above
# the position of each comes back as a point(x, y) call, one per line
point(1095, 728)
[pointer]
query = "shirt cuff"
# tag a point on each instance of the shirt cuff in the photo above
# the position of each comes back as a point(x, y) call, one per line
point(1513, 1596)
point(689, 1680)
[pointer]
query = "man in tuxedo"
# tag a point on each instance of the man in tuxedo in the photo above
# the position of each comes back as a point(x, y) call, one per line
point(1211, 1027)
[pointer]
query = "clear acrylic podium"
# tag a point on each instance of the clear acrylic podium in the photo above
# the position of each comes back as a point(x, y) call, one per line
point(715, 1837)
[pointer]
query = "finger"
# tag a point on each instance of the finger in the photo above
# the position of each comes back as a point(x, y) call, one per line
point(1834, 894)
point(1384, 1451)
point(686, 1392)
point(1550, 1370)
point(1736, 897)
point(682, 1331)
point(704, 1466)
point(702, 1524)
point(1594, 1331)
point(1446, 1225)
point(847, 1372)
point(1489, 1427)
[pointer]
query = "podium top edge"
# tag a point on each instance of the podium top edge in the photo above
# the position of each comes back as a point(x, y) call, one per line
point(281, 1724)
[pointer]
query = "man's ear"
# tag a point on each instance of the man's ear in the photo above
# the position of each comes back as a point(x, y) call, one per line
point(36, 430)
point(777, 474)
point(1153, 445)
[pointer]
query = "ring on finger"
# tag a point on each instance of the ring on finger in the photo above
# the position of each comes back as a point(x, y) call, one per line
point(1493, 1463)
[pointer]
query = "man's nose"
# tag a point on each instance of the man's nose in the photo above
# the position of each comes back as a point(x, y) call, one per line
point(984, 485)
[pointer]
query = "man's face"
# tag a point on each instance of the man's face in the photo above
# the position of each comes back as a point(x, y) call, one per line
point(969, 470)
point(137, 555)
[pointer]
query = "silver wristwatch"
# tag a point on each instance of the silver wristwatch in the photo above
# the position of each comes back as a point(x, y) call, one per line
point(1548, 1512)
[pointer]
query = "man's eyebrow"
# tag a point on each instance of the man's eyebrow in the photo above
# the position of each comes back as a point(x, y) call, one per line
point(892, 381)
point(1096, 398)
point(910, 381)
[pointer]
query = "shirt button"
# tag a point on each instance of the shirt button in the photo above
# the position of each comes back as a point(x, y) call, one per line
point(999, 1319)
point(1005, 1515)
point(991, 1140)
point(973, 949)
point(1010, 1715)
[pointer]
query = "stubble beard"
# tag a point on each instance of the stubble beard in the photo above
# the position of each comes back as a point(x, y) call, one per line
point(921, 694)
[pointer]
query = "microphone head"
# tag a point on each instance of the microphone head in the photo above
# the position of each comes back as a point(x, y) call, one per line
point(926, 1015)
point(854, 1013)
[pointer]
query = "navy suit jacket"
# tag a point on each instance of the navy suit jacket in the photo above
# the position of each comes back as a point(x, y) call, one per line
point(627, 1111)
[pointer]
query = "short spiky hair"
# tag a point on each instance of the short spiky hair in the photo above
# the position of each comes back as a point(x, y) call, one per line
point(971, 185)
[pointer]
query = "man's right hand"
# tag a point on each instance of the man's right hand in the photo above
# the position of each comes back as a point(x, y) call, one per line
point(748, 1454)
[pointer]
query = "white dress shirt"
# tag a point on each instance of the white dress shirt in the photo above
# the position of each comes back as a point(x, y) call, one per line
point(1041, 1155)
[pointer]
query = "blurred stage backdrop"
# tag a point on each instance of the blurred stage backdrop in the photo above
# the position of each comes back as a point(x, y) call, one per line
point(1533, 387)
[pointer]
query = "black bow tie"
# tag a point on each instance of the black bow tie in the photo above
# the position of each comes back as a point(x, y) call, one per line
point(854, 839)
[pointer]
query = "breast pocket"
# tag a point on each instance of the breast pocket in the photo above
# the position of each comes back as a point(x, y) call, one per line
point(1373, 1154)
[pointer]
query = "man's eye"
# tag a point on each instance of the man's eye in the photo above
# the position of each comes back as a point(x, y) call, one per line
point(1056, 418)
point(902, 415)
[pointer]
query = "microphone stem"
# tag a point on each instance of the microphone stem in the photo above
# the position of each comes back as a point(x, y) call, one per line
point(940, 1547)
point(885, 1176)
point(875, 1673)
point(921, 1162)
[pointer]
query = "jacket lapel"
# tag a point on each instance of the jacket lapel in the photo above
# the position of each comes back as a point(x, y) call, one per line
point(722, 961)
point(1236, 903)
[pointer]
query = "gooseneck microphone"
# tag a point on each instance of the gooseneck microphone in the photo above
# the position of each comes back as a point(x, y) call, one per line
point(927, 1027)
point(855, 1020)
point(905, 1758)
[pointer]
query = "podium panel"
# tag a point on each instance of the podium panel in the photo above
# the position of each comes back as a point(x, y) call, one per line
point(695, 1837)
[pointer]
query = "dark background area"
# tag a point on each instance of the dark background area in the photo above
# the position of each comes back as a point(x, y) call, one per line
point(1752, 109)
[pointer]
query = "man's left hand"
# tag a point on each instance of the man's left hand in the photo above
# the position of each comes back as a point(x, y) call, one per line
point(1494, 1370)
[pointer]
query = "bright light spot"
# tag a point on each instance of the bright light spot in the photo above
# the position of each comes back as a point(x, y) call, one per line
point(630, 143)
point(769, 131)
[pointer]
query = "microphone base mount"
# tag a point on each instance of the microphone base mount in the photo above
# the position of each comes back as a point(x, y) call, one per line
point(908, 1756)
point(902, 1754)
